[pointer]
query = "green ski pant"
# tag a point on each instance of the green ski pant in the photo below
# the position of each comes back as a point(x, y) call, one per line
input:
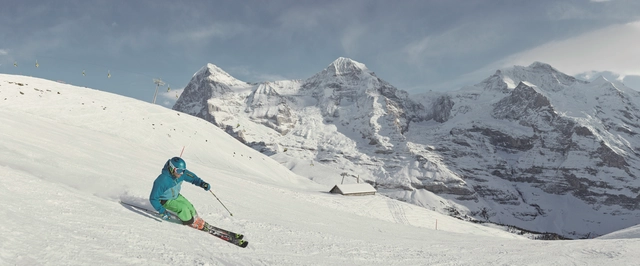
point(182, 207)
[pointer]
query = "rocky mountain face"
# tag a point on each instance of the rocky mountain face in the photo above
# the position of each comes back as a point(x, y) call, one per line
point(528, 146)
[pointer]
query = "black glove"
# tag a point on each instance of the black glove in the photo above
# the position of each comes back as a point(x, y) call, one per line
point(205, 185)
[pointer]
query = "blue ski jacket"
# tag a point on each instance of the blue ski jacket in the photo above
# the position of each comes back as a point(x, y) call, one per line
point(167, 187)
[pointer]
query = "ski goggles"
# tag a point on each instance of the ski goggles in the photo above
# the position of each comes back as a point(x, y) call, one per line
point(175, 170)
point(179, 170)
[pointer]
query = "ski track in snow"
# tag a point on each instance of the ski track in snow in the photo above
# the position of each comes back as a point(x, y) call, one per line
point(397, 212)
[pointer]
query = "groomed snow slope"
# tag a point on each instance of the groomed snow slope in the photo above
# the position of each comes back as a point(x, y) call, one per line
point(69, 154)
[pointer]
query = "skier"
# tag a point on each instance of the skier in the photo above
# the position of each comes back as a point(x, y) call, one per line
point(165, 194)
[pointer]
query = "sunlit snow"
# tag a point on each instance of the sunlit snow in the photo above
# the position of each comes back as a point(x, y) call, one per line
point(68, 155)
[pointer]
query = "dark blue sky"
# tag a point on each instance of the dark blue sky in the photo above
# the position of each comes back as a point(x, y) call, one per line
point(415, 45)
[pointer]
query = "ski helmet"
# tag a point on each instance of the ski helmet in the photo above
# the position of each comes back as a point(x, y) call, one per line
point(177, 165)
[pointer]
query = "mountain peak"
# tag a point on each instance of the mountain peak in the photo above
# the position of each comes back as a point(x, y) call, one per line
point(344, 65)
point(540, 65)
point(215, 73)
point(600, 80)
point(541, 74)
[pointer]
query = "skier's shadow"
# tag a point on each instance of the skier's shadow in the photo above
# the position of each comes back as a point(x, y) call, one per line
point(141, 212)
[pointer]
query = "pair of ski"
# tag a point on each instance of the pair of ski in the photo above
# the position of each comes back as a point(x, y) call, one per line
point(231, 237)
point(226, 235)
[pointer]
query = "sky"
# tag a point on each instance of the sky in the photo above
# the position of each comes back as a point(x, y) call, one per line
point(71, 154)
point(417, 46)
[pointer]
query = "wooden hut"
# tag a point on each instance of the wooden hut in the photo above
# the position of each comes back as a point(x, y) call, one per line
point(361, 189)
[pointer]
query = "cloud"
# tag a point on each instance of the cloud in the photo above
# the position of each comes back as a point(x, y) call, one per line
point(246, 74)
point(4, 52)
point(415, 50)
point(568, 11)
point(201, 34)
point(196, 39)
point(458, 41)
point(614, 48)
point(300, 18)
point(350, 38)
point(611, 50)
point(169, 97)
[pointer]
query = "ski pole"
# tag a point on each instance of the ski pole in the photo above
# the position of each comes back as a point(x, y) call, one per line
point(225, 207)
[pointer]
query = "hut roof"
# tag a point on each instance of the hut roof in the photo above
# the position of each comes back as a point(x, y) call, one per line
point(353, 188)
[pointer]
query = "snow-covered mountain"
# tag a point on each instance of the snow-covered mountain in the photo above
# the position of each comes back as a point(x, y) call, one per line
point(528, 146)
